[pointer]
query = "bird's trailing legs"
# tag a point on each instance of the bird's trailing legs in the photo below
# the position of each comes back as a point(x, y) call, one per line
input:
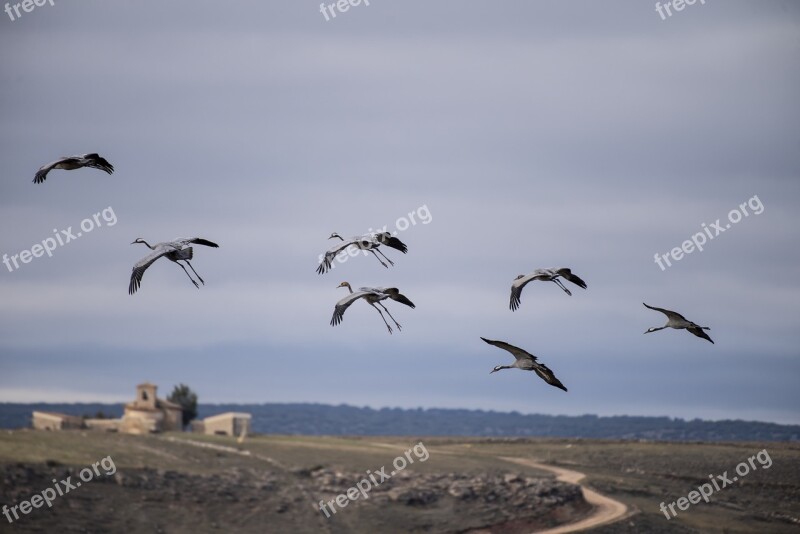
point(195, 272)
point(189, 275)
point(377, 258)
point(384, 318)
point(384, 256)
point(559, 284)
point(399, 328)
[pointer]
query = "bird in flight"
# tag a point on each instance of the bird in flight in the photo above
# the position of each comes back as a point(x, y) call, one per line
point(546, 275)
point(176, 250)
point(527, 362)
point(373, 296)
point(69, 163)
point(367, 242)
point(676, 320)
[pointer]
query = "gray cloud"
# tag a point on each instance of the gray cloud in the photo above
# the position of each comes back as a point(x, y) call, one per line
point(578, 134)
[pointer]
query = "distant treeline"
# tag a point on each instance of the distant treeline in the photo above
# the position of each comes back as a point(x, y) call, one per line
point(322, 419)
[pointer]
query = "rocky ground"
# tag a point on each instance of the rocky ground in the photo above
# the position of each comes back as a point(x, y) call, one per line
point(480, 500)
point(249, 494)
point(189, 483)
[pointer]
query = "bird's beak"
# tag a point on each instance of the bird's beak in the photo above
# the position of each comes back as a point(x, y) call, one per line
point(492, 371)
point(133, 242)
point(647, 331)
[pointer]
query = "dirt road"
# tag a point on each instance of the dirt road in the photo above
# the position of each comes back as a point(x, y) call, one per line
point(606, 510)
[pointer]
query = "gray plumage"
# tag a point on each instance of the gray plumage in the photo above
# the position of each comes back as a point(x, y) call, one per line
point(367, 242)
point(373, 296)
point(546, 275)
point(69, 163)
point(525, 361)
point(678, 321)
point(175, 251)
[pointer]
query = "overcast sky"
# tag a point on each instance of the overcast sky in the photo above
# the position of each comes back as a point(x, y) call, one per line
point(521, 135)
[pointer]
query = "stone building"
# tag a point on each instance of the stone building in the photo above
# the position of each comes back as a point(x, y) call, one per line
point(147, 413)
point(228, 424)
point(56, 421)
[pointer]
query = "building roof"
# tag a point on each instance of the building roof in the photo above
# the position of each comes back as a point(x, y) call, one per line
point(168, 404)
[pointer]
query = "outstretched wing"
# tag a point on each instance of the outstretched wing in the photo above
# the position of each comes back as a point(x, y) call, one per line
point(41, 174)
point(547, 375)
point(385, 238)
point(575, 279)
point(74, 162)
point(327, 261)
point(516, 288)
point(668, 313)
point(393, 294)
point(342, 305)
point(142, 265)
point(699, 332)
point(95, 161)
point(402, 299)
point(518, 353)
point(196, 240)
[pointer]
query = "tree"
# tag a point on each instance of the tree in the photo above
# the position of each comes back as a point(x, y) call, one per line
point(183, 396)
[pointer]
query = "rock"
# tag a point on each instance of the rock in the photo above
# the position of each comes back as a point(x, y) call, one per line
point(461, 489)
point(413, 496)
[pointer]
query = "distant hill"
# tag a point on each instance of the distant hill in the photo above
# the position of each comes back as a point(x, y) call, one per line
point(323, 419)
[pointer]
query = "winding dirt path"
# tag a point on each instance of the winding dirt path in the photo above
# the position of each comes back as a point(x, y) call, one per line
point(606, 510)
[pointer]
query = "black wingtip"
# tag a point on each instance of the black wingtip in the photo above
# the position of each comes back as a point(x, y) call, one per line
point(206, 242)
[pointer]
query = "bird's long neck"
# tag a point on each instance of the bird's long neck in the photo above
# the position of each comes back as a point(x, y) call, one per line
point(337, 235)
point(148, 245)
point(350, 289)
